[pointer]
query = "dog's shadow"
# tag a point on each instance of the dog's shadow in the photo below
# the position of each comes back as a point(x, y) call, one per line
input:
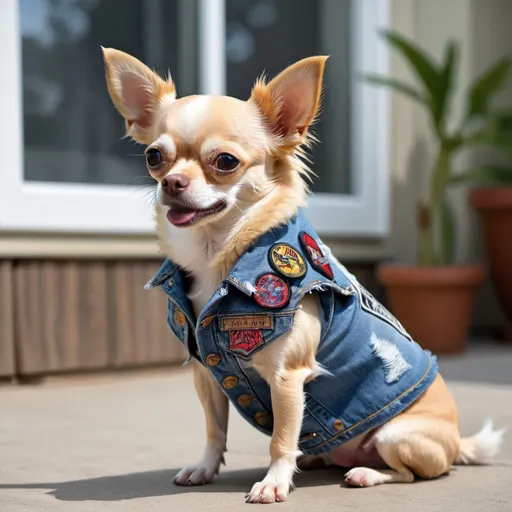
point(159, 483)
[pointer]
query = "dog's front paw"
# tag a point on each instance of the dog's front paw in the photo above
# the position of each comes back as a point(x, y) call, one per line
point(275, 487)
point(268, 491)
point(201, 473)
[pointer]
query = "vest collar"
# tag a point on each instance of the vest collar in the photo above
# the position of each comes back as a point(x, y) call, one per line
point(254, 257)
point(167, 269)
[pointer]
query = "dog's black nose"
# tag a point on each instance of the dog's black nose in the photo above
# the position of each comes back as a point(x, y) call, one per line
point(175, 184)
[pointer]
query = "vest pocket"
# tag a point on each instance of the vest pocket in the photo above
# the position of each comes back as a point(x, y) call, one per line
point(246, 342)
point(326, 420)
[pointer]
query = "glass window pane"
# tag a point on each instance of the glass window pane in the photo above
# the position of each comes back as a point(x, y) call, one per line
point(72, 131)
point(268, 35)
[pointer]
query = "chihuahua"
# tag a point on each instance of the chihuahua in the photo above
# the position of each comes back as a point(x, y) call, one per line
point(273, 322)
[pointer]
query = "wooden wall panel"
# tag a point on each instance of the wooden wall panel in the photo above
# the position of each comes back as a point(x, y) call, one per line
point(140, 334)
point(62, 315)
point(27, 318)
point(93, 315)
point(7, 361)
point(82, 315)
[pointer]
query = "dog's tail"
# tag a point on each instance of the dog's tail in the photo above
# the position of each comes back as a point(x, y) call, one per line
point(480, 448)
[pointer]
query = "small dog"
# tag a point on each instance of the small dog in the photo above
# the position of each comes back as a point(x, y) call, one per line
point(272, 321)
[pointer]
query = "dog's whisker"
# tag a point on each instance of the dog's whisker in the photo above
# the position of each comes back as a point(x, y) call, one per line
point(243, 213)
point(143, 187)
point(140, 178)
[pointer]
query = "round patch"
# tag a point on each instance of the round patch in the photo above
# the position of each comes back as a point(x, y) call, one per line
point(271, 291)
point(315, 255)
point(286, 260)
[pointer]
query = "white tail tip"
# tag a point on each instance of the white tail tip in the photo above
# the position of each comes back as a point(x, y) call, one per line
point(482, 447)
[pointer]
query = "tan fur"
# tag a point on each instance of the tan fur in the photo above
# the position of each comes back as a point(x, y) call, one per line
point(117, 62)
point(269, 98)
point(425, 438)
point(287, 196)
point(267, 134)
point(216, 410)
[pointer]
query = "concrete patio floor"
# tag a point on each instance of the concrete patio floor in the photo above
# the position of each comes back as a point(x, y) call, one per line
point(114, 443)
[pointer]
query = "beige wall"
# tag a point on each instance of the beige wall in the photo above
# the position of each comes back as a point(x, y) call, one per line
point(483, 29)
point(429, 23)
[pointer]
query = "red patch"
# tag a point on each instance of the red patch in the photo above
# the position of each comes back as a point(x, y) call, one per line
point(271, 291)
point(246, 341)
point(315, 255)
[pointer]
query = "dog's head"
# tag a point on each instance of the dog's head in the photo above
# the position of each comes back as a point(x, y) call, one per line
point(209, 154)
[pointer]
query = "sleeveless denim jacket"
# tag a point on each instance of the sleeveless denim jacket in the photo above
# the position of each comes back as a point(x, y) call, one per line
point(374, 370)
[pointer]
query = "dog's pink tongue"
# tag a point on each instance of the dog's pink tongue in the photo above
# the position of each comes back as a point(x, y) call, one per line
point(180, 217)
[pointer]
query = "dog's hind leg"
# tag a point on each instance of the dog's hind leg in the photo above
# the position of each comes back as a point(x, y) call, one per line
point(423, 440)
point(415, 451)
point(216, 409)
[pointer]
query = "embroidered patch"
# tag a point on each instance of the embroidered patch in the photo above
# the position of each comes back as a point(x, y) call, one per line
point(315, 255)
point(286, 260)
point(271, 291)
point(233, 323)
point(370, 304)
point(245, 341)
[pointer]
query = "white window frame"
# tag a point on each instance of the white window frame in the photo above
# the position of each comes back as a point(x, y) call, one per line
point(90, 208)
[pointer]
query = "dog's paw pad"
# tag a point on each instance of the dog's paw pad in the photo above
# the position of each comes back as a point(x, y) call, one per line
point(196, 475)
point(201, 473)
point(362, 477)
point(262, 492)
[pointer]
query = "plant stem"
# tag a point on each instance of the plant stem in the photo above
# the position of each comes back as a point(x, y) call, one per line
point(429, 253)
point(424, 221)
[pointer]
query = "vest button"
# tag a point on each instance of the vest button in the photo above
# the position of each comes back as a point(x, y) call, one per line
point(213, 359)
point(244, 400)
point(338, 425)
point(179, 318)
point(261, 419)
point(230, 382)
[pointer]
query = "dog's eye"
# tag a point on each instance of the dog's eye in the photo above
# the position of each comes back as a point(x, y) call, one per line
point(226, 162)
point(153, 157)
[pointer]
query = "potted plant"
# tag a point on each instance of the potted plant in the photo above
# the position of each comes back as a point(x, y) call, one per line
point(492, 199)
point(434, 299)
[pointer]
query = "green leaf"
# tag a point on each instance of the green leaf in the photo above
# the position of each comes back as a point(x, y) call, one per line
point(451, 61)
point(503, 120)
point(485, 174)
point(396, 85)
point(427, 70)
point(447, 232)
point(491, 138)
point(487, 85)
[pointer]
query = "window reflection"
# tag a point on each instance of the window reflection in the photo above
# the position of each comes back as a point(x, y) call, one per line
point(70, 125)
point(268, 35)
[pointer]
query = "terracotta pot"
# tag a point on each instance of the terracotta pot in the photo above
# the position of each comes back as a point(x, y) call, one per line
point(434, 304)
point(495, 208)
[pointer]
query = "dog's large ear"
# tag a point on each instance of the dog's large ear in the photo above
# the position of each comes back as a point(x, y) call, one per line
point(290, 102)
point(136, 92)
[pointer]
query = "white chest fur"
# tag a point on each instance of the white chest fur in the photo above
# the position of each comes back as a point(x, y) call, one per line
point(193, 250)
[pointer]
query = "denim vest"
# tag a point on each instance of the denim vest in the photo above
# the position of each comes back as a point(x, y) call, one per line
point(374, 370)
